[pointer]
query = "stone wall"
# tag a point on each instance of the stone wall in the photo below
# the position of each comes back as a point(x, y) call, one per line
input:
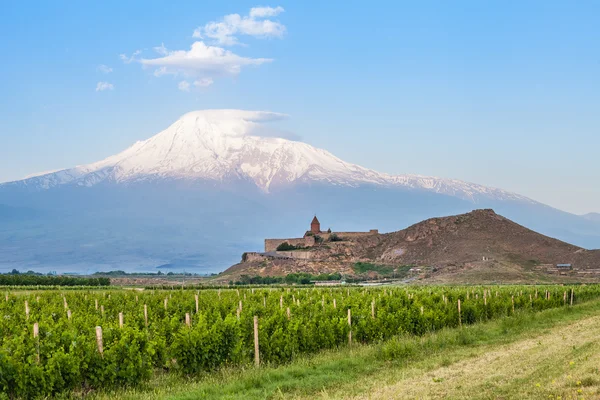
point(297, 254)
point(271, 244)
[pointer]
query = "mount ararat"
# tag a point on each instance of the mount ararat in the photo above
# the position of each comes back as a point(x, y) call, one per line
point(215, 183)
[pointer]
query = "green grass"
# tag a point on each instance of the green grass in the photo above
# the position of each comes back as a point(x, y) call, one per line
point(354, 370)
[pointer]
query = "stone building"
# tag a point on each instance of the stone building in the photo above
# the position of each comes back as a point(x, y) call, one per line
point(315, 226)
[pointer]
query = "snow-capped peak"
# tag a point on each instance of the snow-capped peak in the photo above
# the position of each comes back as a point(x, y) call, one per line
point(219, 145)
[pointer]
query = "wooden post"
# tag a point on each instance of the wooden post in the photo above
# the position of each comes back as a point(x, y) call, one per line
point(102, 309)
point(96, 301)
point(99, 340)
point(484, 301)
point(422, 310)
point(166, 302)
point(238, 311)
point(136, 298)
point(459, 318)
point(373, 309)
point(264, 301)
point(350, 325)
point(571, 296)
point(69, 315)
point(565, 298)
point(36, 334)
point(146, 315)
point(196, 298)
point(26, 309)
point(121, 320)
point(256, 350)
point(280, 301)
point(188, 321)
point(288, 313)
point(240, 307)
point(323, 301)
point(334, 305)
point(512, 299)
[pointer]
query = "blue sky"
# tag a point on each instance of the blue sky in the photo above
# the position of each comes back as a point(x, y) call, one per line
point(503, 93)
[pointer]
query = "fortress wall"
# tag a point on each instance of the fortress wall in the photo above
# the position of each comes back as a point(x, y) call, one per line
point(350, 235)
point(271, 244)
point(301, 255)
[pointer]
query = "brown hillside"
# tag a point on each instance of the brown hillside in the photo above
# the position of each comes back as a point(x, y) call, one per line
point(477, 246)
point(471, 237)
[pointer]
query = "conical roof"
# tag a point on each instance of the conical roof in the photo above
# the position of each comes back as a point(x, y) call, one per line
point(315, 220)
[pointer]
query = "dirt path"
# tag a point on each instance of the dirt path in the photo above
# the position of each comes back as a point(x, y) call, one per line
point(562, 363)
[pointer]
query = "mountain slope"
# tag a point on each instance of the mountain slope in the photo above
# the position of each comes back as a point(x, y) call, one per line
point(225, 146)
point(592, 217)
point(480, 240)
point(215, 183)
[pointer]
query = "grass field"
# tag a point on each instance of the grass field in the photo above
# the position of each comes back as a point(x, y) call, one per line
point(551, 354)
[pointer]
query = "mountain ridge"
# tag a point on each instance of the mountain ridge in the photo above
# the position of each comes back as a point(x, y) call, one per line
point(219, 145)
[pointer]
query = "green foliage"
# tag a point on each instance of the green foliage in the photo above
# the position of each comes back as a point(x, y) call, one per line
point(17, 279)
point(335, 238)
point(65, 356)
point(285, 246)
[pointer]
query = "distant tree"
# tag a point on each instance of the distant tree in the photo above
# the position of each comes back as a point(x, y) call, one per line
point(329, 230)
point(334, 238)
point(285, 246)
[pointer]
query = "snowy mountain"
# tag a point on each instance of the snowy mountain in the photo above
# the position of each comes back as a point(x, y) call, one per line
point(225, 145)
point(216, 183)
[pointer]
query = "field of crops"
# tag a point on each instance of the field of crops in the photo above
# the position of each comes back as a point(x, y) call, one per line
point(58, 340)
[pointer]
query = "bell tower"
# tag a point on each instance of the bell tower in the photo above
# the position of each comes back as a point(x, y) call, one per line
point(315, 226)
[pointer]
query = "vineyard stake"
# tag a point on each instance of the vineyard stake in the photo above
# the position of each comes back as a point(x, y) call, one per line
point(256, 351)
point(512, 298)
point(188, 322)
point(36, 334)
point(264, 301)
point(121, 320)
point(565, 298)
point(166, 302)
point(459, 319)
point(26, 309)
point(146, 315)
point(238, 314)
point(373, 309)
point(196, 298)
point(288, 313)
point(334, 305)
point(280, 301)
point(571, 296)
point(102, 310)
point(96, 300)
point(350, 325)
point(99, 340)
point(240, 305)
point(69, 315)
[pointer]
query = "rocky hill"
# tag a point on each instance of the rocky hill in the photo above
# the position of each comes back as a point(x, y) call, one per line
point(477, 246)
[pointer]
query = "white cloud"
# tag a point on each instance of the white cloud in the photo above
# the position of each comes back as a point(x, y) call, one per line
point(162, 50)
point(204, 82)
point(263, 12)
point(184, 86)
point(102, 86)
point(201, 60)
point(105, 69)
point(132, 58)
point(224, 32)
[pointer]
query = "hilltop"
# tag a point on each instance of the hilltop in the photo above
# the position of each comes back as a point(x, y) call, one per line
point(479, 246)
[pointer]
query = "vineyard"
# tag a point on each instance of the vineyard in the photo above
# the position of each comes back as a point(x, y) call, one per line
point(58, 340)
